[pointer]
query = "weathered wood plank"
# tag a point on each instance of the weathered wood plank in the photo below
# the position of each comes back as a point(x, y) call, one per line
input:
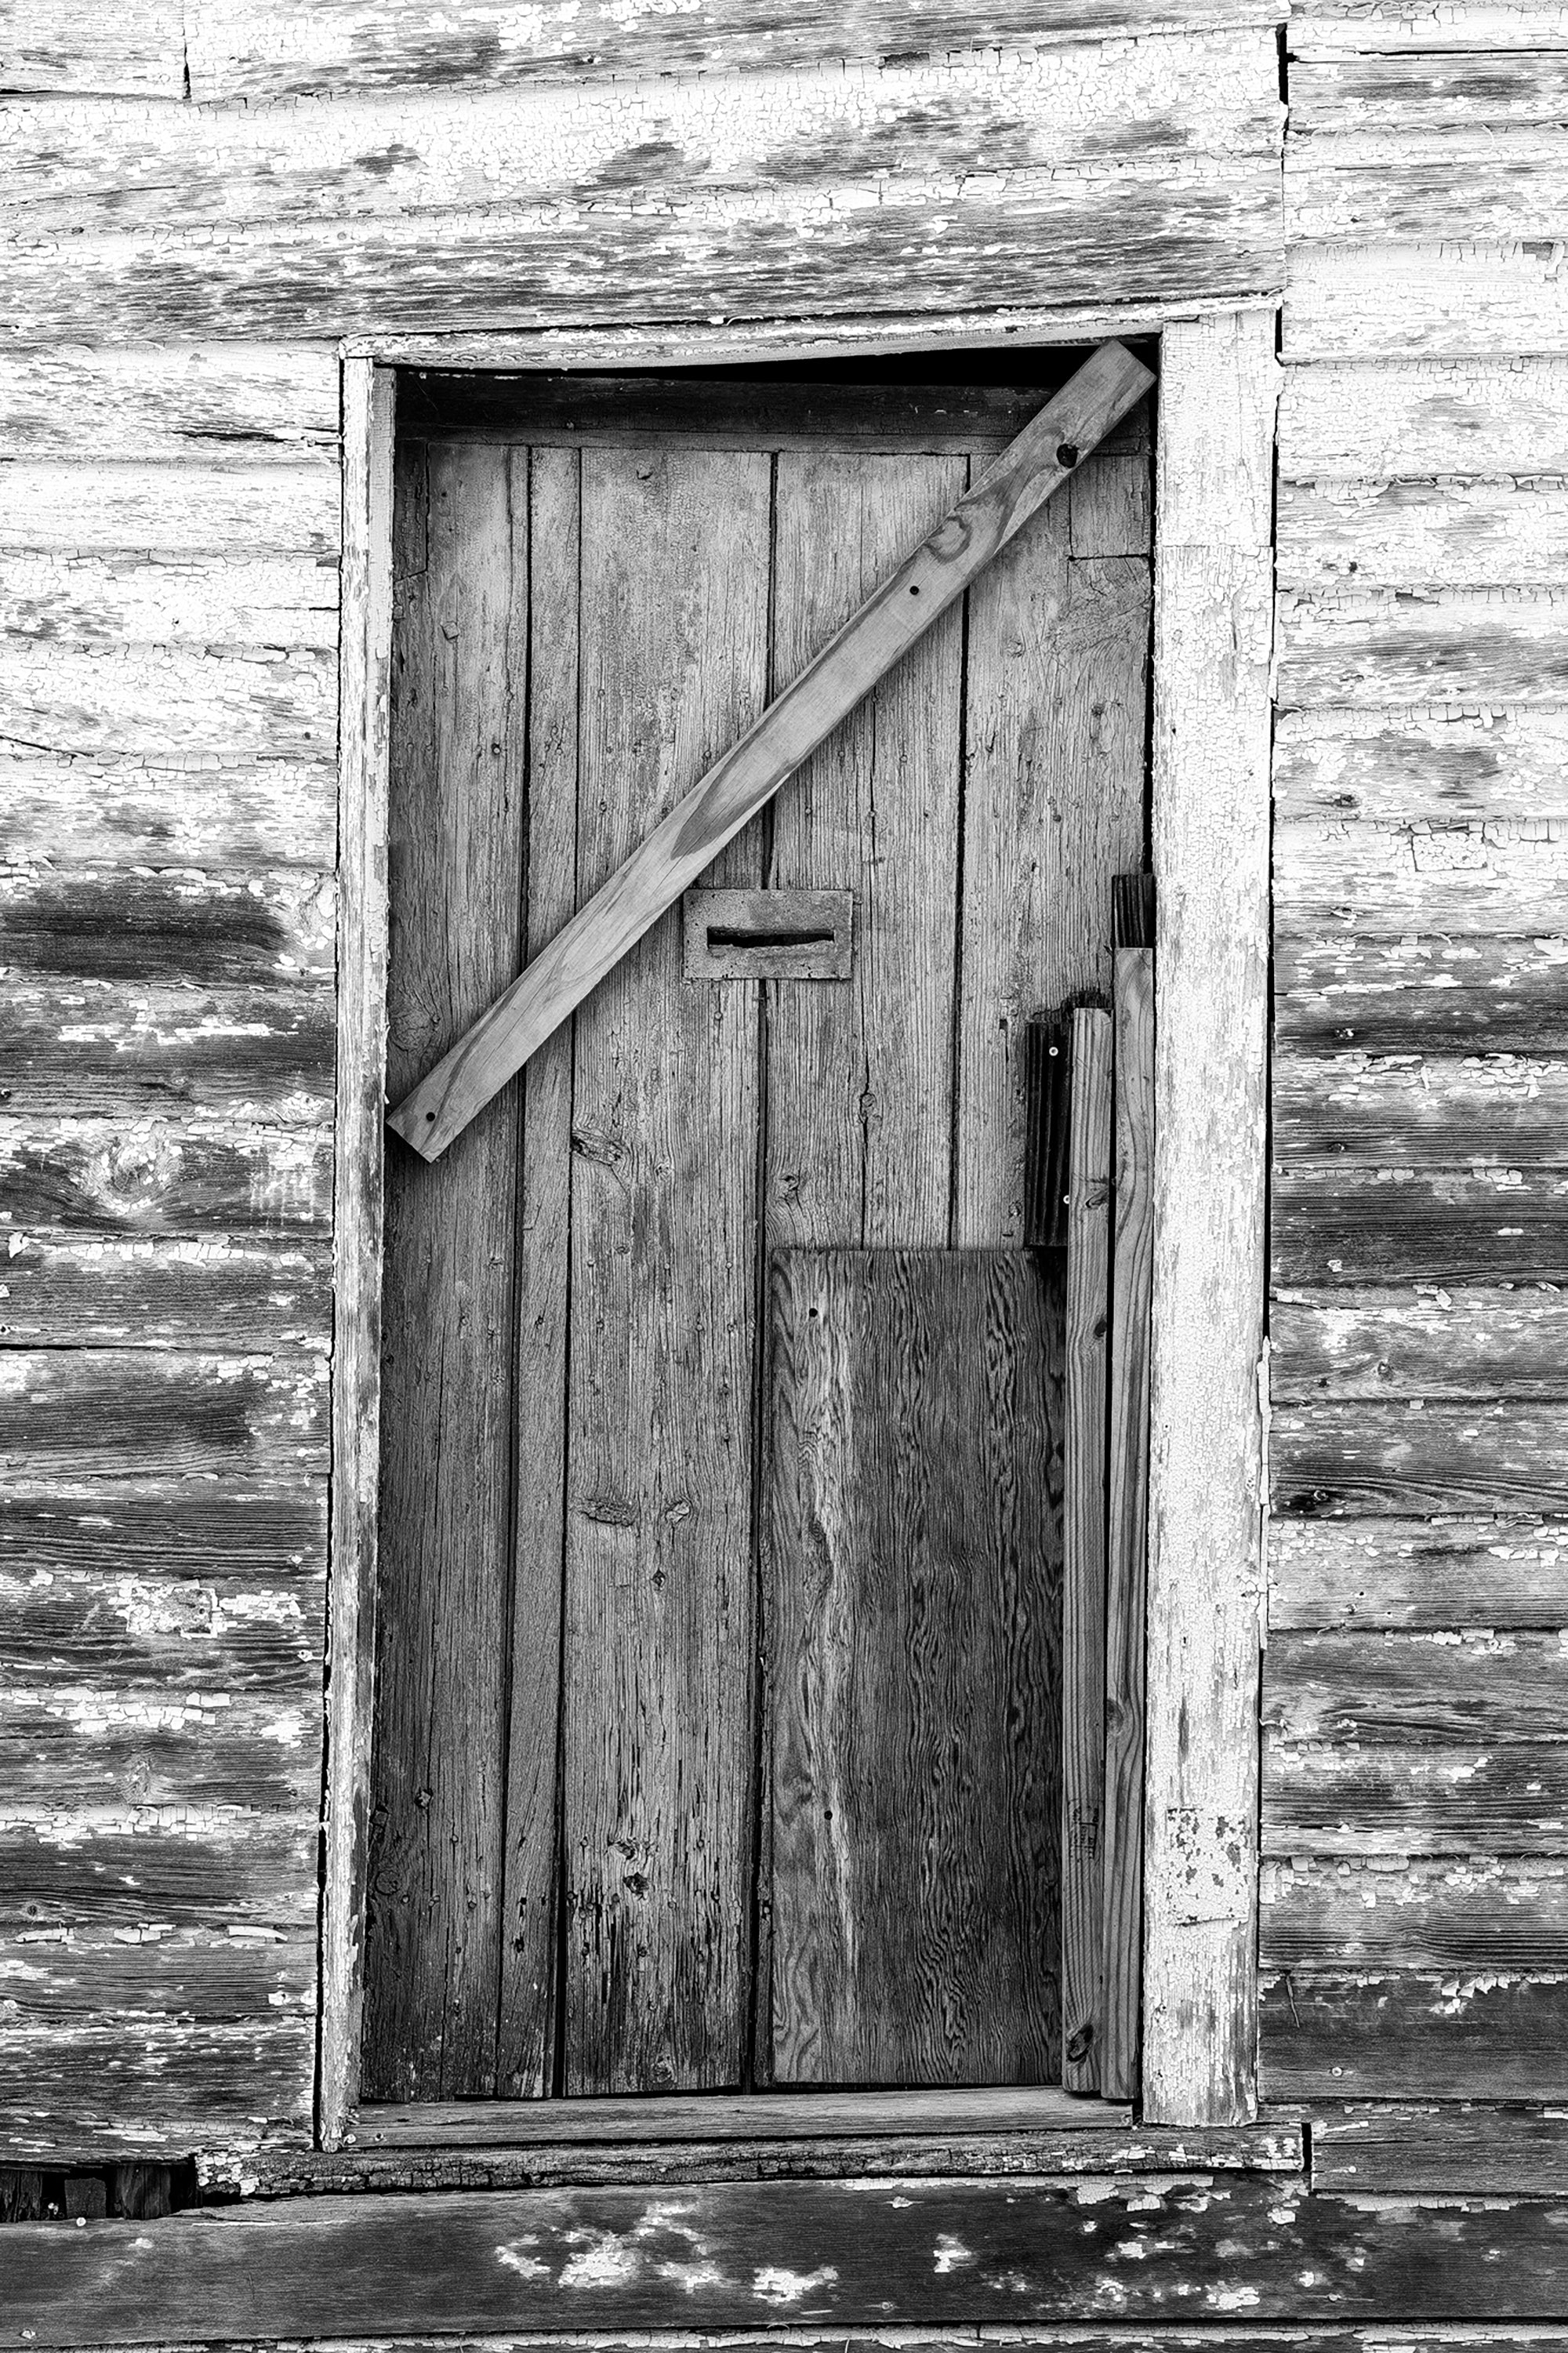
point(168, 1631)
point(1412, 1457)
point(433, 1924)
point(70, 44)
point(1421, 534)
point(1334, 28)
point(93, 1764)
point(1056, 710)
point(1435, 183)
point(364, 663)
point(1396, 2037)
point(188, 509)
point(859, 1080)
point(158, 1178)
point(1415, 1798)
point(114, 812)
point(1082, 2144)
point(529, 1992)
point(1358, 98)
point(105, 925)
point(1412, 1110)
point(1417, 1573)
point(1507, 1919)
point(1399, 1225)
point(1441, 1689)
point(1421, 765)
point(226, 601)
point(1421, 994)
point(867, 2112)
point(1128, 1521)
point(235, 1297)
point(349, 46)
point(168, 703)
point(155, 2087)
point(1471, 298)
point(97, 1050)
point(217, 1530)
point(1370, 648)
point(108, 1413)
point(827, 2255)
point(913, 1864)
point(1434, 1342)
point(1083, 1629)
point(264, 403)
point(1441, 2149)
point(216, 1976)
point(906, 603)
point(1213, 622)
point(1390, 419)
point(657, 1793)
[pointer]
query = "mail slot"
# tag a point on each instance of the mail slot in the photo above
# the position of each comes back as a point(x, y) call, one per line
point(768, 934)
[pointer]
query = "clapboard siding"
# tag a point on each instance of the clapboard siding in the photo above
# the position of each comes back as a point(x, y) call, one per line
point(1432, 1573)
point(1363, 421)
point(235, 51)
point(1489, 999)
point(1435, 1342)
point(82, 813)
point(232, 1297)
point(1420, 767)
point(1424, 298)
point(184, 405)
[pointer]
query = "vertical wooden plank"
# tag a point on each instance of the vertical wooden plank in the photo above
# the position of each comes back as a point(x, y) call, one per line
point(660, 1621)
point(433, 1934)
point(1053, 807)
point(1128, 1518)
point(365, 703)
point(860, 1075)
point(1083, 1545)
point(1213, 624)
point(548, 480)
point(913, 1561)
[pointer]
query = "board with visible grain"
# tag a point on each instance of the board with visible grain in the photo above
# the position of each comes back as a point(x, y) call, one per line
point(913, 1572)
point(436, 1792)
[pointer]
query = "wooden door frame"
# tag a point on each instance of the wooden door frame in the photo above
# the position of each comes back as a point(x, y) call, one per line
point(1212, 727)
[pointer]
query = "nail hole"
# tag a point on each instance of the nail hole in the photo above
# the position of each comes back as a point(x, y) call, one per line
point(913, 590)
point(1067, 453)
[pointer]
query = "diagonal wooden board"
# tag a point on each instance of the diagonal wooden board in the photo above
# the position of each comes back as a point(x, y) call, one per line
point(687, 841)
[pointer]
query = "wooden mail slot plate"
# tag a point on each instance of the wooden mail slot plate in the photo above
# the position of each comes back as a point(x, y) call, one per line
point(768, 934)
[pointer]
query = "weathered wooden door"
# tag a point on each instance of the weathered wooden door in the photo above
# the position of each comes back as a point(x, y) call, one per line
point(578, 1883)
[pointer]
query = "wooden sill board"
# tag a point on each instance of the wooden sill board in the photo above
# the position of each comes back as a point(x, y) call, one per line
point(726, 2117)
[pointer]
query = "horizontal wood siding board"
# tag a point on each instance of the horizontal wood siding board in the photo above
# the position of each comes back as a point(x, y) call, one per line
point(1420, 767)
point(627, 2121)
point(1398, 2037)
point(1371, 648)
point(1423, 994)
point(1411, 1111)
point(1409, 1458)
point(349, 46)
point(70, 44)
point(1440, 2149)
point(1498, 181)
point(122, 809)
point(1348, 28)
point(235, 1298)
point(1400, 1224)
point(1336, 100)
point(185, 407)
point(119, 1414)
point(1439, 1343)
point(174, 1178)
point(172, 1633)
point(127, 1763)
point(1406, 1689)
point(830, 2254)
point(1405, 534)
point(148, 1529)
point(192, 507)
point(168, 702)
point(1417, 1573)
point(1448, 1916)
point(1383, 420)
point(1414, 298)
point(84, 924)
point(155, 2085)
point(264, 1053)
point(1072, 2149)
point(237, 601)
point(1413, 1799)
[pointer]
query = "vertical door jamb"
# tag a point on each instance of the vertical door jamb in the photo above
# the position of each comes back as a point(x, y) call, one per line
point(364, 725)
point(1212, 711)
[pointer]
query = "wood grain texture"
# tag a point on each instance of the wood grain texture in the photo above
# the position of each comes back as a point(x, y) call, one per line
point(1419, 765)
point(1412, 1458)
point(1387, 419)
point(104, 1050)
point(1423, 993)
point(169, 705)
point(1426, 1917)
point(531, 184)
point(913, 1572)
point(263, 403)
point(1405, 1689)
point(1371, 648)
point(350, 47)
point(905, 604)
point(145, 1177)
point(1399, 1798)
point(530, 1920)
point(1056, 695)
point(1402, 1225)
point(1420, 298)
point(433, 1924)
point(358, 1210)
point(236, 1298)
point(1440, 2149)
point(90, 1413)
point(123, 811)
point(1212, 643)
point(1418, 1111)
point(1418, 1573)
point(865, 2113)
point(1394, 2037)
point(1085, 1362)
point(1376, 877)
point(1434, 1343)
point(660, 1608)
point(1403, 534)
point(1128, 1519)
point(1332, 28)
point(324, 2269)
point(859, 1080)
point(196, 508)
